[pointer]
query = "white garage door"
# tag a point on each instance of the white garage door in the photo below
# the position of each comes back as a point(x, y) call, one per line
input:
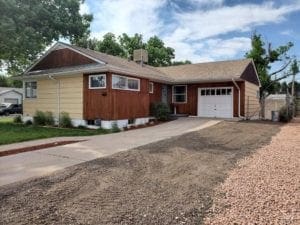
point(215, 102)
point(11, 100)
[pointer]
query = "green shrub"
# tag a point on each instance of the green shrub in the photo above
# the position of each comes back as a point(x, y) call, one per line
point(81, 127)
point(285, 115)
point(160, 111)
point(115, 128)
point(49, 119)
point(39, 118)
point(18, 119)
point(65, 120)
point(28, 123)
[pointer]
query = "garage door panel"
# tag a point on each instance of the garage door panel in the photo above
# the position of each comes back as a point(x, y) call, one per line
point(215, 102)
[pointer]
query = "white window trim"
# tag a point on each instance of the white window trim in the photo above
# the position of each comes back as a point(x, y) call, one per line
point(96, 75)
point(36, 94)
point(173, 100)
point(126, 84)
point(152, 85)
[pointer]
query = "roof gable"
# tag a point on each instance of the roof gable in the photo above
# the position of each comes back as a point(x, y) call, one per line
point(61, 58)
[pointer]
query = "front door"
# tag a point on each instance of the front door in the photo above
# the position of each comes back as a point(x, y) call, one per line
point(164, 94)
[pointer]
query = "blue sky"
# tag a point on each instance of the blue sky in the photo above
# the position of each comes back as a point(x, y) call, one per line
point(200, 30)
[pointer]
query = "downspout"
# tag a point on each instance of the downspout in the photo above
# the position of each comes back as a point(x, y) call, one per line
point(239, 101)
point(58, 96)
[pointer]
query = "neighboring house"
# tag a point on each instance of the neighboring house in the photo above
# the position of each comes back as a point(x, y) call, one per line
point(11, 95)
point(93, 86)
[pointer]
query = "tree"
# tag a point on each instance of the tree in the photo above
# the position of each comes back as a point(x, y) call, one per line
point(6, 81)
point(264, 56)
point(110, 45)
point(177, 63)
point(28, 26)
point(158, 54)
point(129, 44)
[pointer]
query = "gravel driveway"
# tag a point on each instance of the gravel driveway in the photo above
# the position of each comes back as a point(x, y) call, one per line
point(167, 182)
point(265, 187)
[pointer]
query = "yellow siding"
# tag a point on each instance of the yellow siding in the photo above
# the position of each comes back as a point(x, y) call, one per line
point(71, 97)
point(252, 106)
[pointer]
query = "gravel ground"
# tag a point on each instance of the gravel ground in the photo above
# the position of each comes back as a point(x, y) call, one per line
point(265, 187)
point(167, 182)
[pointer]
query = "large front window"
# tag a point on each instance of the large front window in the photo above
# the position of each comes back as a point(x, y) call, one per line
point(30, 89)
point(179, 94)
point(125, 83)
point(97, 81)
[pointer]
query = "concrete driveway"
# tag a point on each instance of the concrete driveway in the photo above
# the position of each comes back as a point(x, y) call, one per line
point(41, 162)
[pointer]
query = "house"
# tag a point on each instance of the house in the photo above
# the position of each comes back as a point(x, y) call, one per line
point(93, 86)
point(11, 95)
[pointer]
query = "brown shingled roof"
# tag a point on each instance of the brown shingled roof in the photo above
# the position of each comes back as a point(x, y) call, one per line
point(199, 72)
point(210, 71)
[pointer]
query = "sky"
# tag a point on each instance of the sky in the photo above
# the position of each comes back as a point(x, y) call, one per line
point(200, 30)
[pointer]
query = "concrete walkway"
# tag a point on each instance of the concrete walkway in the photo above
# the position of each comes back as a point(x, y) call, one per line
point(41, 162)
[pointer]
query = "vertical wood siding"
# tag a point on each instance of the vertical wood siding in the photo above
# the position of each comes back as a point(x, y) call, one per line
point(190, 107)
point(61, 58)
point(113, 104)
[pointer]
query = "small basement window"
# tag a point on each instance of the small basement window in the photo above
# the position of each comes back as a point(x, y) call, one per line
point(97, 81)
point(151, 87)
point(30, 89)
point(179, 94)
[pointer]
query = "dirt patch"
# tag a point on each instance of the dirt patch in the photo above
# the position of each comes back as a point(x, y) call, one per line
point(167, 182)
point(264, 188)
point(36, 147)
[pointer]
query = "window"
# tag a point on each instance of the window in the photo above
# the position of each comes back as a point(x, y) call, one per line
point(97, 81)
point(179, 94)
point(125, 83)
point(30, 89)
point(151, 87)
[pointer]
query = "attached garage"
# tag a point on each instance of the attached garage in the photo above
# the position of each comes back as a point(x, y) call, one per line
point(215, 102)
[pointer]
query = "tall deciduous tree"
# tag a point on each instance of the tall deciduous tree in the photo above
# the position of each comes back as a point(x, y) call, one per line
point(159, 54)
point(129, 44)
point(264, 56)
point(28, 26)
point(110, 45)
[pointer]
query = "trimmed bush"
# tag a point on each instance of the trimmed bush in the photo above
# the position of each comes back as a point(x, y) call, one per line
point(18, 119)
point(39, 118)
point(49, 119)
point(43, 118)
point(28, 123)
point(115, 128)
point(65, 120)
point(285, 115)
point(160, 111)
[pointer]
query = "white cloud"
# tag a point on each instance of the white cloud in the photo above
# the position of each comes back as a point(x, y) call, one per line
point(212, 49)
point(84, 9)
point(128, 16)
point(204, 24)
point(194, 34)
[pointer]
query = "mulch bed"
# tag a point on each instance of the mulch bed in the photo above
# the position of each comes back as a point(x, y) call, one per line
point(36, 147)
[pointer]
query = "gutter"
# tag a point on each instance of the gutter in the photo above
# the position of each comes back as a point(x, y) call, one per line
point(239, 101)
point(58, 96)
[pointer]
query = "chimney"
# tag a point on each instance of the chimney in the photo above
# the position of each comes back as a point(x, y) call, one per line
point(140, 56)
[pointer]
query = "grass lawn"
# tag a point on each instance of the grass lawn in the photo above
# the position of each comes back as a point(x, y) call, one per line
point(12, 133)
